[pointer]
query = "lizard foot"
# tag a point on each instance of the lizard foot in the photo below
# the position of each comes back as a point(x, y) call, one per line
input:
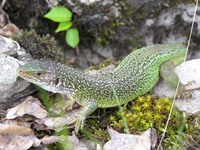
point(69, 104)
point(184, 93)
point(79, 123)
point(181, 93)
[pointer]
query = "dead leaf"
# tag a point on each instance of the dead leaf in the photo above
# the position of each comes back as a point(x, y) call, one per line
point(130, 142)
point(16, 135)
point(58, 123)
point(4, 18)
point(14, 129)
point(72, 141)
point(76, 143)
point(30, 106)
point(18, 142)
point(9, 30)
point(50, 140)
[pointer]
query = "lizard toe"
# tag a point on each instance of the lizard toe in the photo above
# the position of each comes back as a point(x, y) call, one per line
point(69, 104)
point(79, 123)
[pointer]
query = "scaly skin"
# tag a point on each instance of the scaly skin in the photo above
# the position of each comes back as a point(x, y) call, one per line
point(135, 76)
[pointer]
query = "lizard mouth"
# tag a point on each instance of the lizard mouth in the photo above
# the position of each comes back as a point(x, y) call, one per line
point(27, 75)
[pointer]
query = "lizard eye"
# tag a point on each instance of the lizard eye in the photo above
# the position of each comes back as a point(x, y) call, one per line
point(38, 73)
point(57, 81)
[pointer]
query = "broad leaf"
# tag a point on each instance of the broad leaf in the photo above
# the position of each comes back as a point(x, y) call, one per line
point(59, 14)
point(72, 37)
point(63, 26)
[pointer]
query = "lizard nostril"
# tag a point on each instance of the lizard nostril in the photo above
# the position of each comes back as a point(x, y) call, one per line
point(18, 70)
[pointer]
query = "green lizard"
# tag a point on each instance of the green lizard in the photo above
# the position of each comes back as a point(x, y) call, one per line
point(135, 76)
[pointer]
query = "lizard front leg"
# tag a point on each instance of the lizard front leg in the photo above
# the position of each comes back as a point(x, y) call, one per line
point(89, 107)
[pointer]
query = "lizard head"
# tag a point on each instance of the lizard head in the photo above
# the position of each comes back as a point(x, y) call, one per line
point(33, 72)
point(42, 73)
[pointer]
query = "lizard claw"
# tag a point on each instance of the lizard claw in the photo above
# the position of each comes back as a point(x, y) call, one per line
point(184, 93)
point(79, 123)
point(69, 104)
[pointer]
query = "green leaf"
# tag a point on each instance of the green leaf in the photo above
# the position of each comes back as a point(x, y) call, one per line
point(59, 14)
point(72, 37)
point(63, 26)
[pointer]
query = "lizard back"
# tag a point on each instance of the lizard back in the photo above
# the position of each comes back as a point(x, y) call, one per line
point(135, 75)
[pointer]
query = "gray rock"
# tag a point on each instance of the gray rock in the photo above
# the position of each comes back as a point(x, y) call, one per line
point(12, 88)
point(8, 47)
point(8, 67)
point(168, 20)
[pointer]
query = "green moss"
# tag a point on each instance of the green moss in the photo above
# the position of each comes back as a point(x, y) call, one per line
point(40, 47)
point(192, 136)
point(174, 142)
point(146, 112)
point(187, 136)
point(97, 130)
